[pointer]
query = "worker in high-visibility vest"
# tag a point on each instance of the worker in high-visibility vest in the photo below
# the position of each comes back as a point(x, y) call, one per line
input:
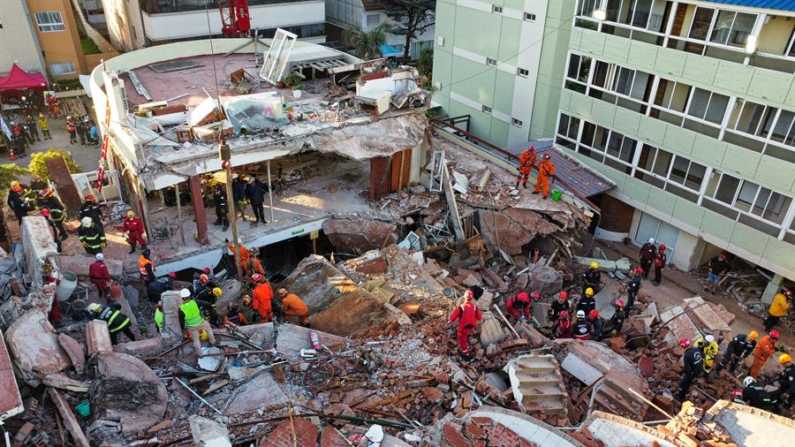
point(117, 321)
point(146, 268)
point(190, 319)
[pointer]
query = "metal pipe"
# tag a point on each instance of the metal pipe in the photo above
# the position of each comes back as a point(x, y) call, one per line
point(506, 321)
point(650, 403)
point(177, 379)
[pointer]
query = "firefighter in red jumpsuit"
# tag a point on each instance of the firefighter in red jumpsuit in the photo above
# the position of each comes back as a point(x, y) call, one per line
point(134, 229)
point(520, 306)
point(468, 316)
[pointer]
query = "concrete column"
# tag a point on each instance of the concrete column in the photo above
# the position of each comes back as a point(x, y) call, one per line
point(198, 208)
point(772, 288)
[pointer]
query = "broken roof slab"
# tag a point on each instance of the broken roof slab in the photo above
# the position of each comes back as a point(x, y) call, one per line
point(527, 427)
point(751, 427)
point(615, 431)
point(33, 342)
point(10, 400)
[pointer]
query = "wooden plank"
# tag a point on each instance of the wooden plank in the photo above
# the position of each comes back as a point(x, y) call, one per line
point(67, 191)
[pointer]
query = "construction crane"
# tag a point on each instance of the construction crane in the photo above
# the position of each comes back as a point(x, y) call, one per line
point(235, 20)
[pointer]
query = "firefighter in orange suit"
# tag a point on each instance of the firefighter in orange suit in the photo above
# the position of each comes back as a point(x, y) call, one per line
point(146, 268)
point(545, 170)
point(763, 351)
point(527, 159)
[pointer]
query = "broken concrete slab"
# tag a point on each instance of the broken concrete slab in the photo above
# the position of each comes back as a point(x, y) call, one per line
point(607, 297)
point(128, 391)
point(357, 235)
point(704, 316)
point(78, 264)
point(537, 384)
point(371, 263)
point(296, 432)
point(10, 399)
point(98, 337)
point(64, 382)
point(259, 393)
point(513, 228)
point(38, 244)
point(171, 332)
point(69, 419)
point(292, 339)
point(751, 427)
point(502, 427)
point(208, 433)
point(75, 350)
point(34, 345)
point(616, 431)
point(147, 347)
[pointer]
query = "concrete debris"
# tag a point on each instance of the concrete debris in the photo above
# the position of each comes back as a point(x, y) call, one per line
point(34, 345)
point(208, 433)
point(10, 399)
point(262, 392)
point(537, 384)
point(69, 418)
point(357, 236)
point(75, 350)
point(98, 337)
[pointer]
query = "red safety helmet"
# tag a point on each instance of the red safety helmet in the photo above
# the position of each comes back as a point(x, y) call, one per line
point(172, 275)
point(662, 247)
point(638, 271)
point(685, 343)
point(256, 277)
point(774, 334)
point(593, 314)
point(90, 197)
point(738, 394)
point(45, 212)
point(531, 148)
point(788, 292)
point(564, 314)
point(204, 278)
point(722, 256)
point(536, 296)
point(620, 303)
point(207, 270)
point(563, 295)
point(47, 193)
point(546, 155)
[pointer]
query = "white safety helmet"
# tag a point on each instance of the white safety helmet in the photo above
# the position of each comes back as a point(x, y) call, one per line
point(709, 338)
point(748, 380)
point(184, 293)
point(100, 257)
point(580, 314)
point(86, 222)
point(651, 240)
point(94, 308)
point(69, 117)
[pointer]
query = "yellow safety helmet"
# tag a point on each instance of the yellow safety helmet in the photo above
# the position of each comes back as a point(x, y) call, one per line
point(218, 292)
point(130, 213)
point(589, 292)
point(594, 265)
point(753, 335)
point(784, 358)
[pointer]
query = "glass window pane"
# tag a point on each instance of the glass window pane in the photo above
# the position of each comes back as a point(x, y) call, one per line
point(747, 195)
point(600, 75)
point(701, 22)
point(783, 126)
point(662, 162)
point(574, 127)
point(647, 155)
point(727, 188)
point(574, 66)
point(717, 108)
point(695, 176)
point(641, 13)
point(723, 26)
point(564, 124)
point(679, 170)
point(699, 103)
point(588, 133)
point(628, 149)
point(600, 140)
point(743, 24)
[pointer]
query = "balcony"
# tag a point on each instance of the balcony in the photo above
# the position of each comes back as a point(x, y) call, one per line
point(176, 6)
point(759, 40)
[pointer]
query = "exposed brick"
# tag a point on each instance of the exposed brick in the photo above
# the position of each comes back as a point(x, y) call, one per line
point(453, 436)
point(305, 432)
point(474, 431)
point(484, 422)
point(331, 438)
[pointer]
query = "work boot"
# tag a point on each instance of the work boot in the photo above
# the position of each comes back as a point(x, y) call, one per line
point(535, 192)
point(132, 250)
point(545, 197)
point(523, 184)
point(517, 185)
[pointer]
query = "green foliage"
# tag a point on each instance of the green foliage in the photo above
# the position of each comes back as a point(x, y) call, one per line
point(425, 63)
point(9, 173)
point(38, 164)
point(367, 44)
point(413, 17)
point(293, 81)
point(89, 46)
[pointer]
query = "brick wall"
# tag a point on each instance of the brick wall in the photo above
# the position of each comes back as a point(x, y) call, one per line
point(616, 215)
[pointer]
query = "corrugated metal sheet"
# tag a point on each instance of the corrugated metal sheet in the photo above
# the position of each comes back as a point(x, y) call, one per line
point(585, 180)
point(783, 5)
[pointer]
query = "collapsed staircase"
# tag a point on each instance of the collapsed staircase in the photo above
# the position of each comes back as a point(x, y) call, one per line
point(537, 384)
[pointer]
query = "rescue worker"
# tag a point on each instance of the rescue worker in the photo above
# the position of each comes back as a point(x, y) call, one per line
point(44, 125)
point(46, 214)
point(581, 329)
point(89, 208)
point(717, 267)
point(737, 397)
point(763, 351)
point(546, 170)
point(709, 349)
point(786, 381)
point(739, 348)
point(117, 321)
point(592, 278)
point(294, 307)
point(755, 396)
point(527, 159)
point(72, 129)
point(562, 327)
point(647, 254)
point(146, 268)
point(156, 288)
point(18, 205)
point(208, 296)
point(559, 305)
point(243, 253)
point(221, 207)
point(633, 287)
point(254, 264)
point(159, 317)
point(597, 325)
point(618, 318)
point(92, 239)
point(239, 196)
point(99, 275)
point(468, 316)
point(134, 229)
point(201, 282)
point(190, 319)
point(693, 367)
point(778, 308)
point(586, 302)
point(32, 130)
point(263, 297)
point(255, 193)
point(519, 306)
point(56, 208)
point(37, 184)
point(246, 312)
point(660, 261)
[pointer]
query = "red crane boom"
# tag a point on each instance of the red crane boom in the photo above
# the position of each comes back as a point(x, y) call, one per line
point(235, 20)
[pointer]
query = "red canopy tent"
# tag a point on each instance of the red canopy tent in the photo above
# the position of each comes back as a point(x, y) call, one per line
point(19, 79)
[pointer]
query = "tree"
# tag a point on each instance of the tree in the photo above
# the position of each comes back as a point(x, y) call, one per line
point(425, 63)
point(9, 173)
point(411, 17)
point(366, 44)
point(38, 164)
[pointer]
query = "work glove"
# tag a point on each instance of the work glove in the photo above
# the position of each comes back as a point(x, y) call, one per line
point(553, 180)
point(613, 333)
point(779, 348)
point(85, 245)
point(103, 245)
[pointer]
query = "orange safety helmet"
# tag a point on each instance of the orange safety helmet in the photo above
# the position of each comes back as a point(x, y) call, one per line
point(16, 188)
point(47, 193)
point(204, 278)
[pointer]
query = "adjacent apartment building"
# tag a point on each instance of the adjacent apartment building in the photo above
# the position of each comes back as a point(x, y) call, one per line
point(689, 107)
point(501, 62)
point(135, 24)
point(17, 29)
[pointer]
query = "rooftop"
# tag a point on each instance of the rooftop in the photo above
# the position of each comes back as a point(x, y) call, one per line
point(783, 5)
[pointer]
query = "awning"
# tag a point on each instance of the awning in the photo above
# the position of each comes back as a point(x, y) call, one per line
point(19, 79)
point(390, 51)
point(586, 181)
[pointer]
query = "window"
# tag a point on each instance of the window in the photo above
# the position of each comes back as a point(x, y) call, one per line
point(748, 197)
point(496, 9)
point(701, 23)
point(732, 28)
point(748, 117)
point(568, 126)
point(491, 62)
point(783, 131)
point(62, 68)
point(373, 19)
point(516, 122)
point(522, 72)
point(708, 106)
point(639, 13)
point(586, 7)
point(672, 95)
point(50, 21)
point(687, 173)
point(486, 109)
point(620, 80)
point(529, 17)
point(579, 66)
